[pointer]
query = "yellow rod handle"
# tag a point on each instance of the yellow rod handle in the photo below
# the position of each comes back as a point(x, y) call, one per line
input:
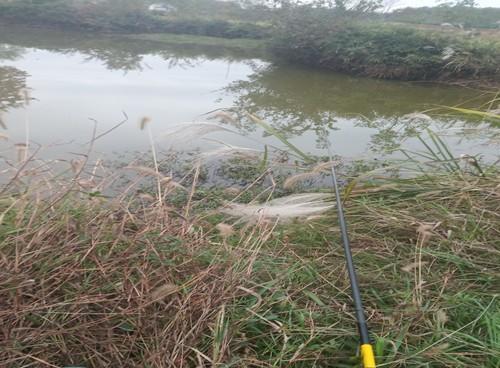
point(368, 356)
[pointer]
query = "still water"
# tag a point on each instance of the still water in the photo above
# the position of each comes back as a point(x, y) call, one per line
point(54, 86)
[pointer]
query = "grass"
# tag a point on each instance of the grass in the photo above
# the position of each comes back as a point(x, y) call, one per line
point(94, 280)
point(386, 51)
point(429, 321)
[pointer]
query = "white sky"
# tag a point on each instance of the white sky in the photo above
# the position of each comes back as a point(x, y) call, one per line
point(419, 3)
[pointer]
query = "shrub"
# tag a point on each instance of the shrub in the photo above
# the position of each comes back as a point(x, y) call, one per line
point(385, 51)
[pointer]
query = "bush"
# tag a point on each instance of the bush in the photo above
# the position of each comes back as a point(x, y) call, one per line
point(384, 51)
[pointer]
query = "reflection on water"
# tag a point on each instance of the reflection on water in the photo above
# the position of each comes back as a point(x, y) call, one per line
point(300, 94)
point(10, 52)
point(13, 85)
point(114, 52)
point(300, 100)
point(73, 77)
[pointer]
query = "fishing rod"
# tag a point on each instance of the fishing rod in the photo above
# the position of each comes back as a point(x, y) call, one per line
point(367, 355)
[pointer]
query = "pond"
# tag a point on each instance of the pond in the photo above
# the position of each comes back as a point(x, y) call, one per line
point(54, 86)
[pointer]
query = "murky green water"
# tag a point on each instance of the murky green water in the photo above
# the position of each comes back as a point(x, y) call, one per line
point(73, 80)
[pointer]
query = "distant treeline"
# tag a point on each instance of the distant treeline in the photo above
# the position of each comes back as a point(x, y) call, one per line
point(216, 19)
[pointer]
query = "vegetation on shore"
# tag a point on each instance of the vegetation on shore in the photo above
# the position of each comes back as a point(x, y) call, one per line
point(162, 278)
point(384, 50)
point(132, 16)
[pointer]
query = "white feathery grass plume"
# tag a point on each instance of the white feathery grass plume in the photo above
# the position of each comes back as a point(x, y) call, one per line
point(188, 131)
point(169, 182)
point(144, 170)
point(225, 230)
point(163, 180)
point(224, 117)
point(317, 170)
point(285, 208)
point(229, 150)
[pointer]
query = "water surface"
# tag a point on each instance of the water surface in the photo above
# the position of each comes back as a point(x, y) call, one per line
point(54, 86)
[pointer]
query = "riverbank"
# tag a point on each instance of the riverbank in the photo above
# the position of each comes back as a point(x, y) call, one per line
point(387, 51)
point(164, 277)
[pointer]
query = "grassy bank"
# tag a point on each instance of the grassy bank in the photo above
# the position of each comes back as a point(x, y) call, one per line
point(162, 278)
point(385, 51)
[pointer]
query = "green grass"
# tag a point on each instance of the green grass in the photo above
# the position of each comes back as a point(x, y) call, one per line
point(380, 50)
point(120, 281)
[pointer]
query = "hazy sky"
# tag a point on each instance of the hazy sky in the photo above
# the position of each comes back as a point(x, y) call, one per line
point(418, 3)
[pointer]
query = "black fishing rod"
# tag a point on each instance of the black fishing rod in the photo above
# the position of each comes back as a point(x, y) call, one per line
point(367, 355)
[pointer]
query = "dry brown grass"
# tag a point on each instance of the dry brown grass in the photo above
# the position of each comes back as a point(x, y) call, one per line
point(90, 279)
point(96, 281)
